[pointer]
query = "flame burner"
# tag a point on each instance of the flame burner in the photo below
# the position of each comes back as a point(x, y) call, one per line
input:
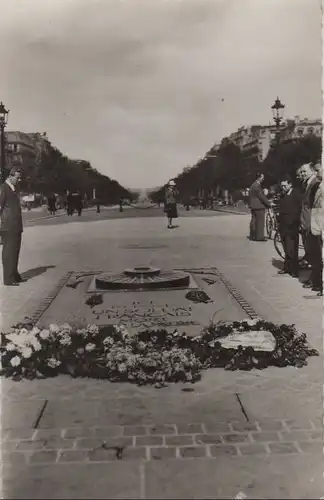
point(143, 278)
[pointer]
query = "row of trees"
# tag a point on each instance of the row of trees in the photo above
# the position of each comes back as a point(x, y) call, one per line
point(52, 171)
point(230, 169)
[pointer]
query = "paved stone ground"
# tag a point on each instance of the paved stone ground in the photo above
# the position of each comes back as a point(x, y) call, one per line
point(101, 440)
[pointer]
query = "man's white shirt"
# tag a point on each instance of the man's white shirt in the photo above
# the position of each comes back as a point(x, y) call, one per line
point(10, 185)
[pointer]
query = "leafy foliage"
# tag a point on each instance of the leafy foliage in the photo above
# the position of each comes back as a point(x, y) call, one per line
point(55, 172)
point(229, 168)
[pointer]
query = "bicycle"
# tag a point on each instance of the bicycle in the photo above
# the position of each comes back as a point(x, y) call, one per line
point(280, 250)
point(271, 223)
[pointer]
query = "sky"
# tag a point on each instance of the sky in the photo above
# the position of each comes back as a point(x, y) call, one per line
point(143, 88)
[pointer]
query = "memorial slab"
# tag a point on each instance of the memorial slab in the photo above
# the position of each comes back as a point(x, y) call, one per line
point(143, 309)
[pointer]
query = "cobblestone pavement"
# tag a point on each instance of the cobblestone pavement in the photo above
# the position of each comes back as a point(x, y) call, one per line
point(101, 440)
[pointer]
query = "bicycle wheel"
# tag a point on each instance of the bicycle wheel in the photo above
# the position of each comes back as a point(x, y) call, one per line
point(269, 226)
point(278, 245)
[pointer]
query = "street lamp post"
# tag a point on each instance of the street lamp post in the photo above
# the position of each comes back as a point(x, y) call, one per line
point(277, 110)
point(3, 122)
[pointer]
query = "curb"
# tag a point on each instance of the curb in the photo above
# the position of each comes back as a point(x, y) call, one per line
point(47, 301)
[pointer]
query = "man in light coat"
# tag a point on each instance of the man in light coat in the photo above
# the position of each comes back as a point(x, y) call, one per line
point(307, 175)
point(317, 229)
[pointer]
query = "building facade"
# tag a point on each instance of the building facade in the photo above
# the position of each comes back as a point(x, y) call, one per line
point(23, 149)
point(256, 140)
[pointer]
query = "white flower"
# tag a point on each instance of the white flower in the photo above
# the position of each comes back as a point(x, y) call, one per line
point(53, 363)
point(65, 340)
point(24, 331)
point(35, 344)
point(121, 329)
point(82, 331)
point(10, 347)
point(90, 347)
point(108, 341)
point(251, 322)
point(35, 330)
point(45, 334)
point(53, 328)
point(15, 361)
point(93, 328)
point(26, 352)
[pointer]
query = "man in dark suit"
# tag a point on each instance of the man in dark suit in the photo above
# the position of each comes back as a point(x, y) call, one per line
point(258, 203)
point(289, 220)
point(11, 227)
point(310, 183)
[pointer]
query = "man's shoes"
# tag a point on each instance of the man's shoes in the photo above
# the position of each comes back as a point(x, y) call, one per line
point(320, 293)
point(14, 283)
point(20, 279)
point(308, 284)
point(294, 275)
point(283, 271)
point(263, 239)
point(317, 289)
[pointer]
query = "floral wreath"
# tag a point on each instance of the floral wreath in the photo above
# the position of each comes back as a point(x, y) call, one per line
point(147, 357)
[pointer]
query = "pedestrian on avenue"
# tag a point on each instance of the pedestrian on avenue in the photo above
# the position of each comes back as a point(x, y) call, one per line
point(11, 227)
point(317, 228)
point(69, 204)
point(289, 220)
point(310, 183)
point(258, 203)
point(170, 203)
point(78, 203)
point(51, 204)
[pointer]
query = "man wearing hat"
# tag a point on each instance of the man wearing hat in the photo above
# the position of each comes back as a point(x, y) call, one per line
point(11, 227)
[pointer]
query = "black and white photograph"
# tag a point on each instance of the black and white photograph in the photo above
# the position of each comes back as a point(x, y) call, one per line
point(161, 240)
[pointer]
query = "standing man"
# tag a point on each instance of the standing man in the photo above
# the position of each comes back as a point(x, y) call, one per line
point(258, 203)
point(310, 183)
point(11, 227)
point(317, 228)
point(289, 220)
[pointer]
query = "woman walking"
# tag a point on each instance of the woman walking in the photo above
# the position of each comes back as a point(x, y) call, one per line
point(170, 203)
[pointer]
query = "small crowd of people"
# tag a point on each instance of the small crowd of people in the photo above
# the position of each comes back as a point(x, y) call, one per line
point(74, 202)
point(300, 210)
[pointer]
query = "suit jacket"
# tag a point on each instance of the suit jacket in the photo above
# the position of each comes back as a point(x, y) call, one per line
point(289, 211)
point(257, 200)
point(307, 202)
point(10, 210)
point(317, 211)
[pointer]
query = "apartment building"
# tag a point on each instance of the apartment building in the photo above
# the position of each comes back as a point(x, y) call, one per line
point(256, 140)
point(22, 149)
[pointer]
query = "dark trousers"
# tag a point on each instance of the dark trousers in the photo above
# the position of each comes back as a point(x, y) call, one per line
point(290, 242)
point(306, 244)
point(10, 256)
point(316, 259)
point(257, 224)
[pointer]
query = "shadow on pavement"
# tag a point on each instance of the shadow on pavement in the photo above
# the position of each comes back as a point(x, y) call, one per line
point(277, 263)
point(36, 271)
